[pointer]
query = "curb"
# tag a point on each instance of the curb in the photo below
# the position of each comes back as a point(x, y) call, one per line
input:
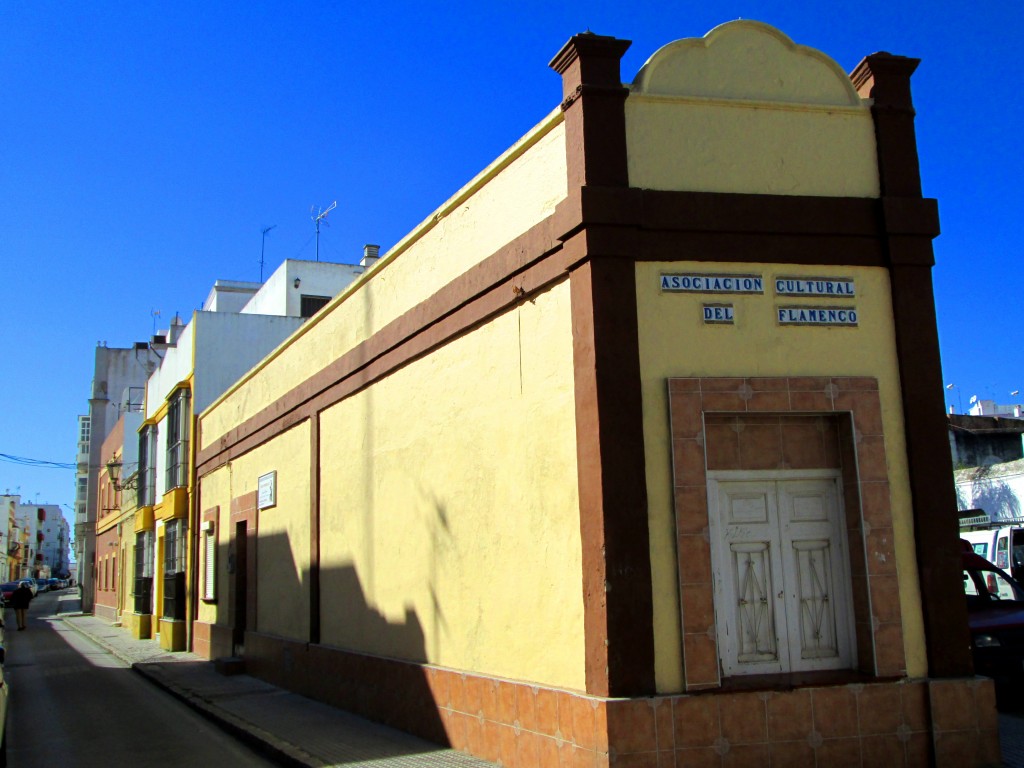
point(276, 749)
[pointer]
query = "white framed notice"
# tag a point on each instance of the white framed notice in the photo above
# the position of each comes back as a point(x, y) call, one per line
point(267, 496)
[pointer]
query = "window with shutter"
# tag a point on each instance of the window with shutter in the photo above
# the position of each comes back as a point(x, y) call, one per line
point(210, 564)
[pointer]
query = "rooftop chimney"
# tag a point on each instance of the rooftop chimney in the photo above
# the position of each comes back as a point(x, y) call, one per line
point(370, 255)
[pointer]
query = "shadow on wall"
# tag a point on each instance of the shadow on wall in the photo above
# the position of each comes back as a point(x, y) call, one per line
point(997, 498)
point(383, 681)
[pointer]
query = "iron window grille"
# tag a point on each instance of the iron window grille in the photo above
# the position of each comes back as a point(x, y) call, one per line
point(143, 572)
point(147, 467)
point(178, 412)
point(174, 570)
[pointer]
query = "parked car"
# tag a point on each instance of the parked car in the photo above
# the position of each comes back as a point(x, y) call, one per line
point(53, 584)
point(995, 615)
point(7, 588)
point(1002, 545)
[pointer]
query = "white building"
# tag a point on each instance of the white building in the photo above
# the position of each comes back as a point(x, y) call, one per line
point(119, 376)
point(300, 288)
point(54, 547)
point(989, 408)
point(239, 325)
point(35, 540)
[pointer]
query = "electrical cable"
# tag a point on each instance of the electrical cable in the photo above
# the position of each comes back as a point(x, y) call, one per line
point(43, 463)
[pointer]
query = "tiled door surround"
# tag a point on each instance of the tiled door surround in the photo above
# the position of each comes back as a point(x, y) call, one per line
point(214, 640)
point(785, 423)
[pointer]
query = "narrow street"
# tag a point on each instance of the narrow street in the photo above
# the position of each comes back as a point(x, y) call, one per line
point(73, 704)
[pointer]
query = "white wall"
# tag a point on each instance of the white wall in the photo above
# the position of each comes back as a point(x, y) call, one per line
point(130, 451)
point(280, 296)
point(228, 345)
point(174, 368)
point(998, 489)
point(216, 348)
point(229, 295)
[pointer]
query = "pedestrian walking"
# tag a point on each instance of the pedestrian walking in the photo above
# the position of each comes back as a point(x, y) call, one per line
point(20, 598)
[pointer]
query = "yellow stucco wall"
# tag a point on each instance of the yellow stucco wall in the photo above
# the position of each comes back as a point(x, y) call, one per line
point(518, 190)
point(215, 489)
point(282, 549)
point(449, 505)
point(675, 342)
point(750, 112)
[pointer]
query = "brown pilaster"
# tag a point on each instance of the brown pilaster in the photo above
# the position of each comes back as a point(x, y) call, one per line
point(594, 106)
point(618, 608)
point(886, 79)
point(314, 528)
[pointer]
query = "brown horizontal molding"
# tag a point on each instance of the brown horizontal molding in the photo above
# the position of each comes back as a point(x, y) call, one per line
point(601, 222)
point(721, 212)
point(911, 216)
point(502, 280)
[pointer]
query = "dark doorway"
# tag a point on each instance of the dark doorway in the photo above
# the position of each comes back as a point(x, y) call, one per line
point(241, 586)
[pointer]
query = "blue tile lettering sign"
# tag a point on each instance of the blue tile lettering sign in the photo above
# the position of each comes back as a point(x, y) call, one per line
point(845, 316)
point(814, 286)
point(721, 314)
point(701, 283)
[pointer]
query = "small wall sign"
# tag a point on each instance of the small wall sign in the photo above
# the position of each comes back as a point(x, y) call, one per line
point(719, 314)
point(267, 493)
point(845, 316)
point(708, 283)
point(814, 286)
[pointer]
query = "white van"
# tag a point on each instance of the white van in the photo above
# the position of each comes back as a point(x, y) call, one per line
point(999, 541)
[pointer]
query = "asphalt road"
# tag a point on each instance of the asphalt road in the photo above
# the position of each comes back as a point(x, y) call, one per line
point(73, 704)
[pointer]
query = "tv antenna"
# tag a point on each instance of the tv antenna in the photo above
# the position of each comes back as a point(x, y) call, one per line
point(264, 245)
point(155, 313)
point(321, 215)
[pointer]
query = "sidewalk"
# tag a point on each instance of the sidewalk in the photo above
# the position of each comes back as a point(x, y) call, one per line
point(286, 727)
point(297, 731)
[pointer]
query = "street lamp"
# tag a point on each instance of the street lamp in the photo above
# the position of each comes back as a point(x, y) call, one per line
point(959, 396)
point(114, 473)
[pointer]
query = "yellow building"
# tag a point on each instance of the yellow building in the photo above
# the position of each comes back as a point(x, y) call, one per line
point(634, 450)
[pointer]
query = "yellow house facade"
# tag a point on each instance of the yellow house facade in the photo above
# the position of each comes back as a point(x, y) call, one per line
point(630, 452)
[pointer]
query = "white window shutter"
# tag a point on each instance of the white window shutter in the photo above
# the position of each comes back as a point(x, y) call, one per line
point(210, 556)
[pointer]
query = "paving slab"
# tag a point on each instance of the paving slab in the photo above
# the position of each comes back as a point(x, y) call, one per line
point(299, 731)
point(293, 729)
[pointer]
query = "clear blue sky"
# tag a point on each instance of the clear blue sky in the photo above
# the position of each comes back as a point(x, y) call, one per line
point(143, 149)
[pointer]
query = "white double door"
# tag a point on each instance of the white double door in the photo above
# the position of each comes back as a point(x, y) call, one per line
point(781, 570)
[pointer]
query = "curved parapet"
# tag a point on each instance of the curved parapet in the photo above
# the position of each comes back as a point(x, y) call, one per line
point(746, 110)
point(746, 60)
